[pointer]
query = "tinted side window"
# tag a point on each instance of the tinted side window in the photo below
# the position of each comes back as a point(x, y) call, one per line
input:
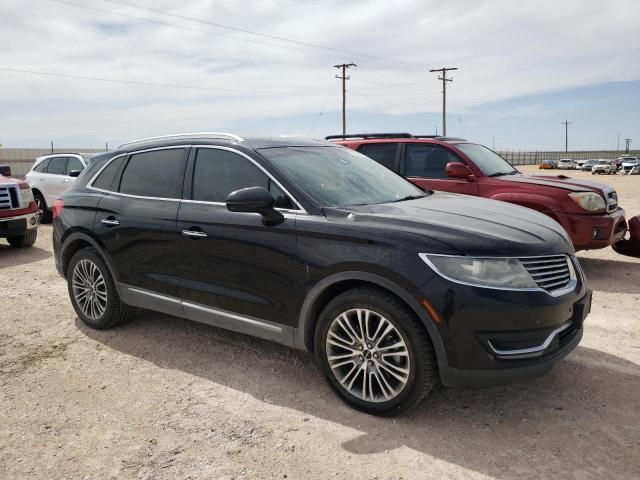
point(217, 173)
point(428, 161)
point(57, 166)
point(42, 166)
point(108, 175)
point(383, 153)
point(74, 164)
point(153, 174)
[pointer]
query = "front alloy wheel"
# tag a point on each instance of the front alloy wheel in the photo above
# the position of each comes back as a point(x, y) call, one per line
point(374, 352)
point(368, 355)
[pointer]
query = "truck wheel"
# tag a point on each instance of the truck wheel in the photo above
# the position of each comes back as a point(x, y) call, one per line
point(45, 214)
point(374, 352)
point(92, 291)
point(23, 241)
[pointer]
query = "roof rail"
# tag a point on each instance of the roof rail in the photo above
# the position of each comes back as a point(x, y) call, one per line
point(369, 135)
point(178, 135)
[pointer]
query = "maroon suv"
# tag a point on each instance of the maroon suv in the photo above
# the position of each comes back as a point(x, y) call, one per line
point(588, 211)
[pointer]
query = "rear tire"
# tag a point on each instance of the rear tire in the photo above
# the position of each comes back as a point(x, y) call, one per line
point(24, 241)
point(45, 214)
point(384, 344)
point(93, 292)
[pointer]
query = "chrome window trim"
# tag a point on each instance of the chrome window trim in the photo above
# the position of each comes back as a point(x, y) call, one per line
point(573, 281)
point(90, 186)
point(223, 135)
point(531, 351)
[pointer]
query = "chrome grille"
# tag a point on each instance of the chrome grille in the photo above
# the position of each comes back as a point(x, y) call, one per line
point(550, 273)
point(8, 197)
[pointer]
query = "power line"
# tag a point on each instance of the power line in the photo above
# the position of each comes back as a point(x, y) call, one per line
point(154, 84)
point(197, 30)
point(344, 78)
point(324, 106)
point(443, 71)
point(189, 87)
point(263, 35)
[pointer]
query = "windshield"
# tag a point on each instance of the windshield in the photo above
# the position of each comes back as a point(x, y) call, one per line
point(340, 177)
point(491, 164)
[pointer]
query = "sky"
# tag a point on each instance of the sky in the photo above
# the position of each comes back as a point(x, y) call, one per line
point(266, 68)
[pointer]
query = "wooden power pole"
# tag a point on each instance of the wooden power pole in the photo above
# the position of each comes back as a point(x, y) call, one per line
point(566, 124)
point(344, 79)
point(443, 76)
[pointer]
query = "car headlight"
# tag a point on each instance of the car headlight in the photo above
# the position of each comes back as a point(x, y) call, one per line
point(506, 273)
point(588, 200)
point(26, 197)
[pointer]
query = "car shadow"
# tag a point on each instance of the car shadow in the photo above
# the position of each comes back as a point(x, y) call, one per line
point(11, 257)
point(583, 409)
point(615, 276)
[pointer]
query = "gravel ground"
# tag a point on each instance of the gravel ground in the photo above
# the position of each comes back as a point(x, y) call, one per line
point(164, 398)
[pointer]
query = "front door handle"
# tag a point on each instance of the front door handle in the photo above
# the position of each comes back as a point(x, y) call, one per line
point(110, 221)
point(194, 233)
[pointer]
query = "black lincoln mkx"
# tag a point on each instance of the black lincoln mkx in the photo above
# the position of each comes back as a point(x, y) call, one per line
point(320, 248)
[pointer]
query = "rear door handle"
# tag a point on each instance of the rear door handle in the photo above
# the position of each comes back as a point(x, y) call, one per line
point(110, 221)
point(194, 233)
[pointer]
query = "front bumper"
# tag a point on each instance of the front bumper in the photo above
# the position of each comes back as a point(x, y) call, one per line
point(509, 370)
point(589, 232)
point(15, 226)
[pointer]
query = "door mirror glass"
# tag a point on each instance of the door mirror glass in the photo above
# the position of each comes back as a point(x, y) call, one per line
point(458, 170)
point(75, 173)
point(254, 200)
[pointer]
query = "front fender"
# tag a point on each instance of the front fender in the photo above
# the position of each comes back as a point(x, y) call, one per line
point(303, 336)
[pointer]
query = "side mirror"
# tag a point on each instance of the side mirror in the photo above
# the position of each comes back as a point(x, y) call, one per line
point(458, 170)
point(254, 200)
point(75, 173)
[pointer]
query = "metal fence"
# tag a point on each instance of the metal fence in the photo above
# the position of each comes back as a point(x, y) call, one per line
point(527, 157)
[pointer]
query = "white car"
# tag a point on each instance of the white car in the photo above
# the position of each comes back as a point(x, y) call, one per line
point(51, 175)
point(604, 166)
point(628, 164)
point(567, 163)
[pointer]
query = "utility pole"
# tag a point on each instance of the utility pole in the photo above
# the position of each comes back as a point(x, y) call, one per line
point(628, 141)
point(443, 72)
point(344, 78)
point(618, 142)
point(566, 124)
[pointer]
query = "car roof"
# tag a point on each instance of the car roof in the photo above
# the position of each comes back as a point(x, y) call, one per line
point(216, 138)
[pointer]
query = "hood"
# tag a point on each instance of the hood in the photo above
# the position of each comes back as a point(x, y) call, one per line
point(12, 181)
point(558, 181)
point(466, 225)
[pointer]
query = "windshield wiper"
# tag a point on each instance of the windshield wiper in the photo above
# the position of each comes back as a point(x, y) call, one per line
point(408, 197)
point(500, 174)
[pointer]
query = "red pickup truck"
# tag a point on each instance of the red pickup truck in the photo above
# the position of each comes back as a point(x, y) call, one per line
point(588, 211)
point(18, 212)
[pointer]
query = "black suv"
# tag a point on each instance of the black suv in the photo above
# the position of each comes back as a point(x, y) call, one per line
point(318, 247)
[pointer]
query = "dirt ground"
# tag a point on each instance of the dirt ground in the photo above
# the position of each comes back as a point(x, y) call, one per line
point(164, 398)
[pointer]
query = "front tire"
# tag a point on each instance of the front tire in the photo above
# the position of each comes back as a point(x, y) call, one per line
point(92, 291)
point(24, 241)
point(374, 352)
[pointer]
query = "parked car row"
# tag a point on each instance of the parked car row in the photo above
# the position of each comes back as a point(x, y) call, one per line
point(623, 165)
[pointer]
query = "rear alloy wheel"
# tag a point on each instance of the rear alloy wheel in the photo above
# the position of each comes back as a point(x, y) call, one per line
point(92, 291)
point(374, 352)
